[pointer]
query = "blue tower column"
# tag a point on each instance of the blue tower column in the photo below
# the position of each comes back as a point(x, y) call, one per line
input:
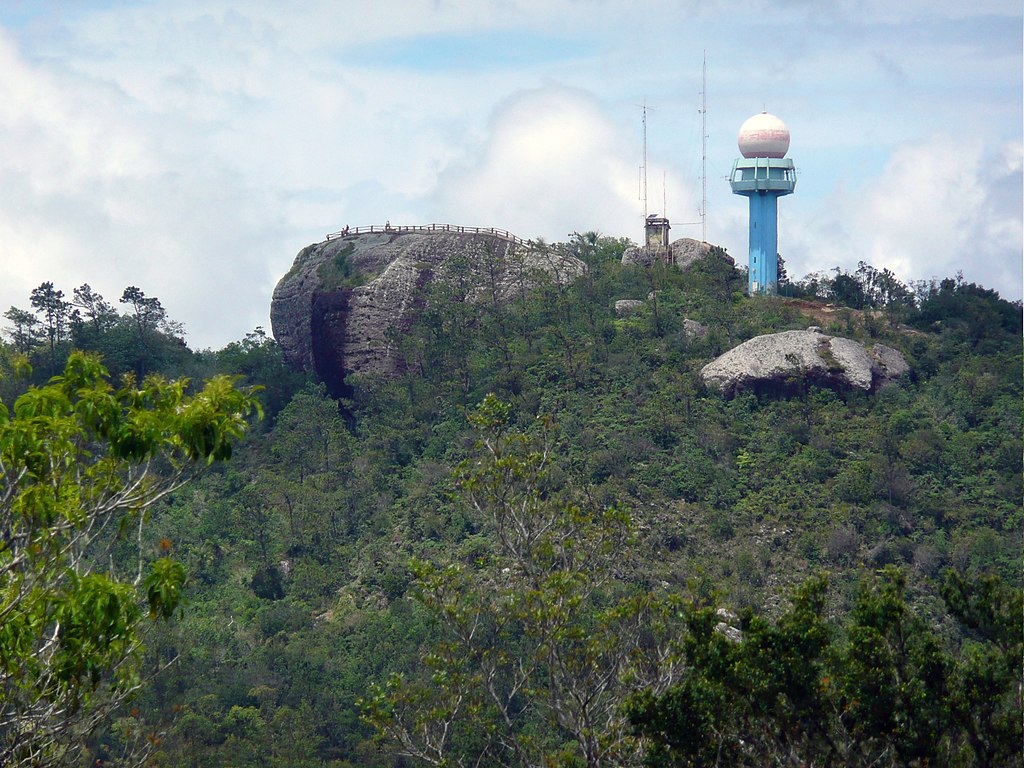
point(763, 180)
point(763, 266)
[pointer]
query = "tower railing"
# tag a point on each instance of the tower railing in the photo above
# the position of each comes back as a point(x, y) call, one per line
point(757, 174)
point(501, 234)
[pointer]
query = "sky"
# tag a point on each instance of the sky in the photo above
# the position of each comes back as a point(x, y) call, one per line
point(193, 148)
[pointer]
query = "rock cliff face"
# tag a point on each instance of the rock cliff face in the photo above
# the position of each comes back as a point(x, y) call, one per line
point(782, 358)
point(344, 300)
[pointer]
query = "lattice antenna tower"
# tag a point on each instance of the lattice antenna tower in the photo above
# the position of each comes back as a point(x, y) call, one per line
point(643, 166)
point(704, 150)
point(664, 195)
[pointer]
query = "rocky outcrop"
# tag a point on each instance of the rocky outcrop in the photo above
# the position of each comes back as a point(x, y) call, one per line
point(684, 253)
point(694, 330)
point(625, 307)
point(783, 359)
point(345, 301)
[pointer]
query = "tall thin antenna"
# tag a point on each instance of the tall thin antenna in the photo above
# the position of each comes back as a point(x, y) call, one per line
point(664, 196)
point(704, 150)
point(643, 181)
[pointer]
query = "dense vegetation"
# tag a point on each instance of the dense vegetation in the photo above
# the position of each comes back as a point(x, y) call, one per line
point(79, 460)
point(423, 570)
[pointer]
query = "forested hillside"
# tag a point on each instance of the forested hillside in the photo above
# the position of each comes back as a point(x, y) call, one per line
point(548, 544)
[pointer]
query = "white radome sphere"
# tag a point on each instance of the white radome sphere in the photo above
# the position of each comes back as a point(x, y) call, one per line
point(764, 135)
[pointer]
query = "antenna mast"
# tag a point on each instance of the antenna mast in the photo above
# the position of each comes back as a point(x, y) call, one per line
point(643, 187)
point(704, 150)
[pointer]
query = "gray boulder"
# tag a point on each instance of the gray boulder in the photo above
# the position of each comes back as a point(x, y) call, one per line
point(638, 254)
point(339, 308)
point(684, 253)
point(783, 358)
point(625, 307)
point(694, 330)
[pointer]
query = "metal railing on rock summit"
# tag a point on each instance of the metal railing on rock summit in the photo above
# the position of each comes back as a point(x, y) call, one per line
point(502, 234)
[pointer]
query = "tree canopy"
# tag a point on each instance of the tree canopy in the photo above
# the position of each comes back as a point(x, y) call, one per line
point(602, 530)
point(80, 462)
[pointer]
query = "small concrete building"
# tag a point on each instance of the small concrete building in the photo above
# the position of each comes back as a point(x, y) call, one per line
point(656, 230)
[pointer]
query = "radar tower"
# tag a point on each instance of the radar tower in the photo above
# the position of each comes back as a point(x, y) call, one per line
point(763, 175)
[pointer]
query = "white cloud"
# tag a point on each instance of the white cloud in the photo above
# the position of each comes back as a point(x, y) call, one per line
point(90, 193)
point(64, 134)
point(940, 206)
point(552, 163)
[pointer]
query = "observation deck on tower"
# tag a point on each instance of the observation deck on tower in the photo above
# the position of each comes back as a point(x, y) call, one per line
point(763, 174)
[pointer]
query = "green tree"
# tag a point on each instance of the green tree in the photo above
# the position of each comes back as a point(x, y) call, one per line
point(890, 678)
point(985, 691)
point(25, 333)
point(80, 463)
point(976, 312)
point(847, 289)
point(750, 698)
point(149, 319)
point(56, 316)
point(782, 276)
point(258, 358)
point(877, 688)
point(541, 640)
point(310, 445)
point(95, 314)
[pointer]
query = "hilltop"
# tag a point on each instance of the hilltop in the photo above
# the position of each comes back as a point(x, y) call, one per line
point(313, 550)
point(346, 302)
point(351, 533)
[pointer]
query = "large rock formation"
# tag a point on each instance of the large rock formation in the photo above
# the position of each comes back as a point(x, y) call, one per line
point(781, 359)
point(684, 253)
point(345, 300)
